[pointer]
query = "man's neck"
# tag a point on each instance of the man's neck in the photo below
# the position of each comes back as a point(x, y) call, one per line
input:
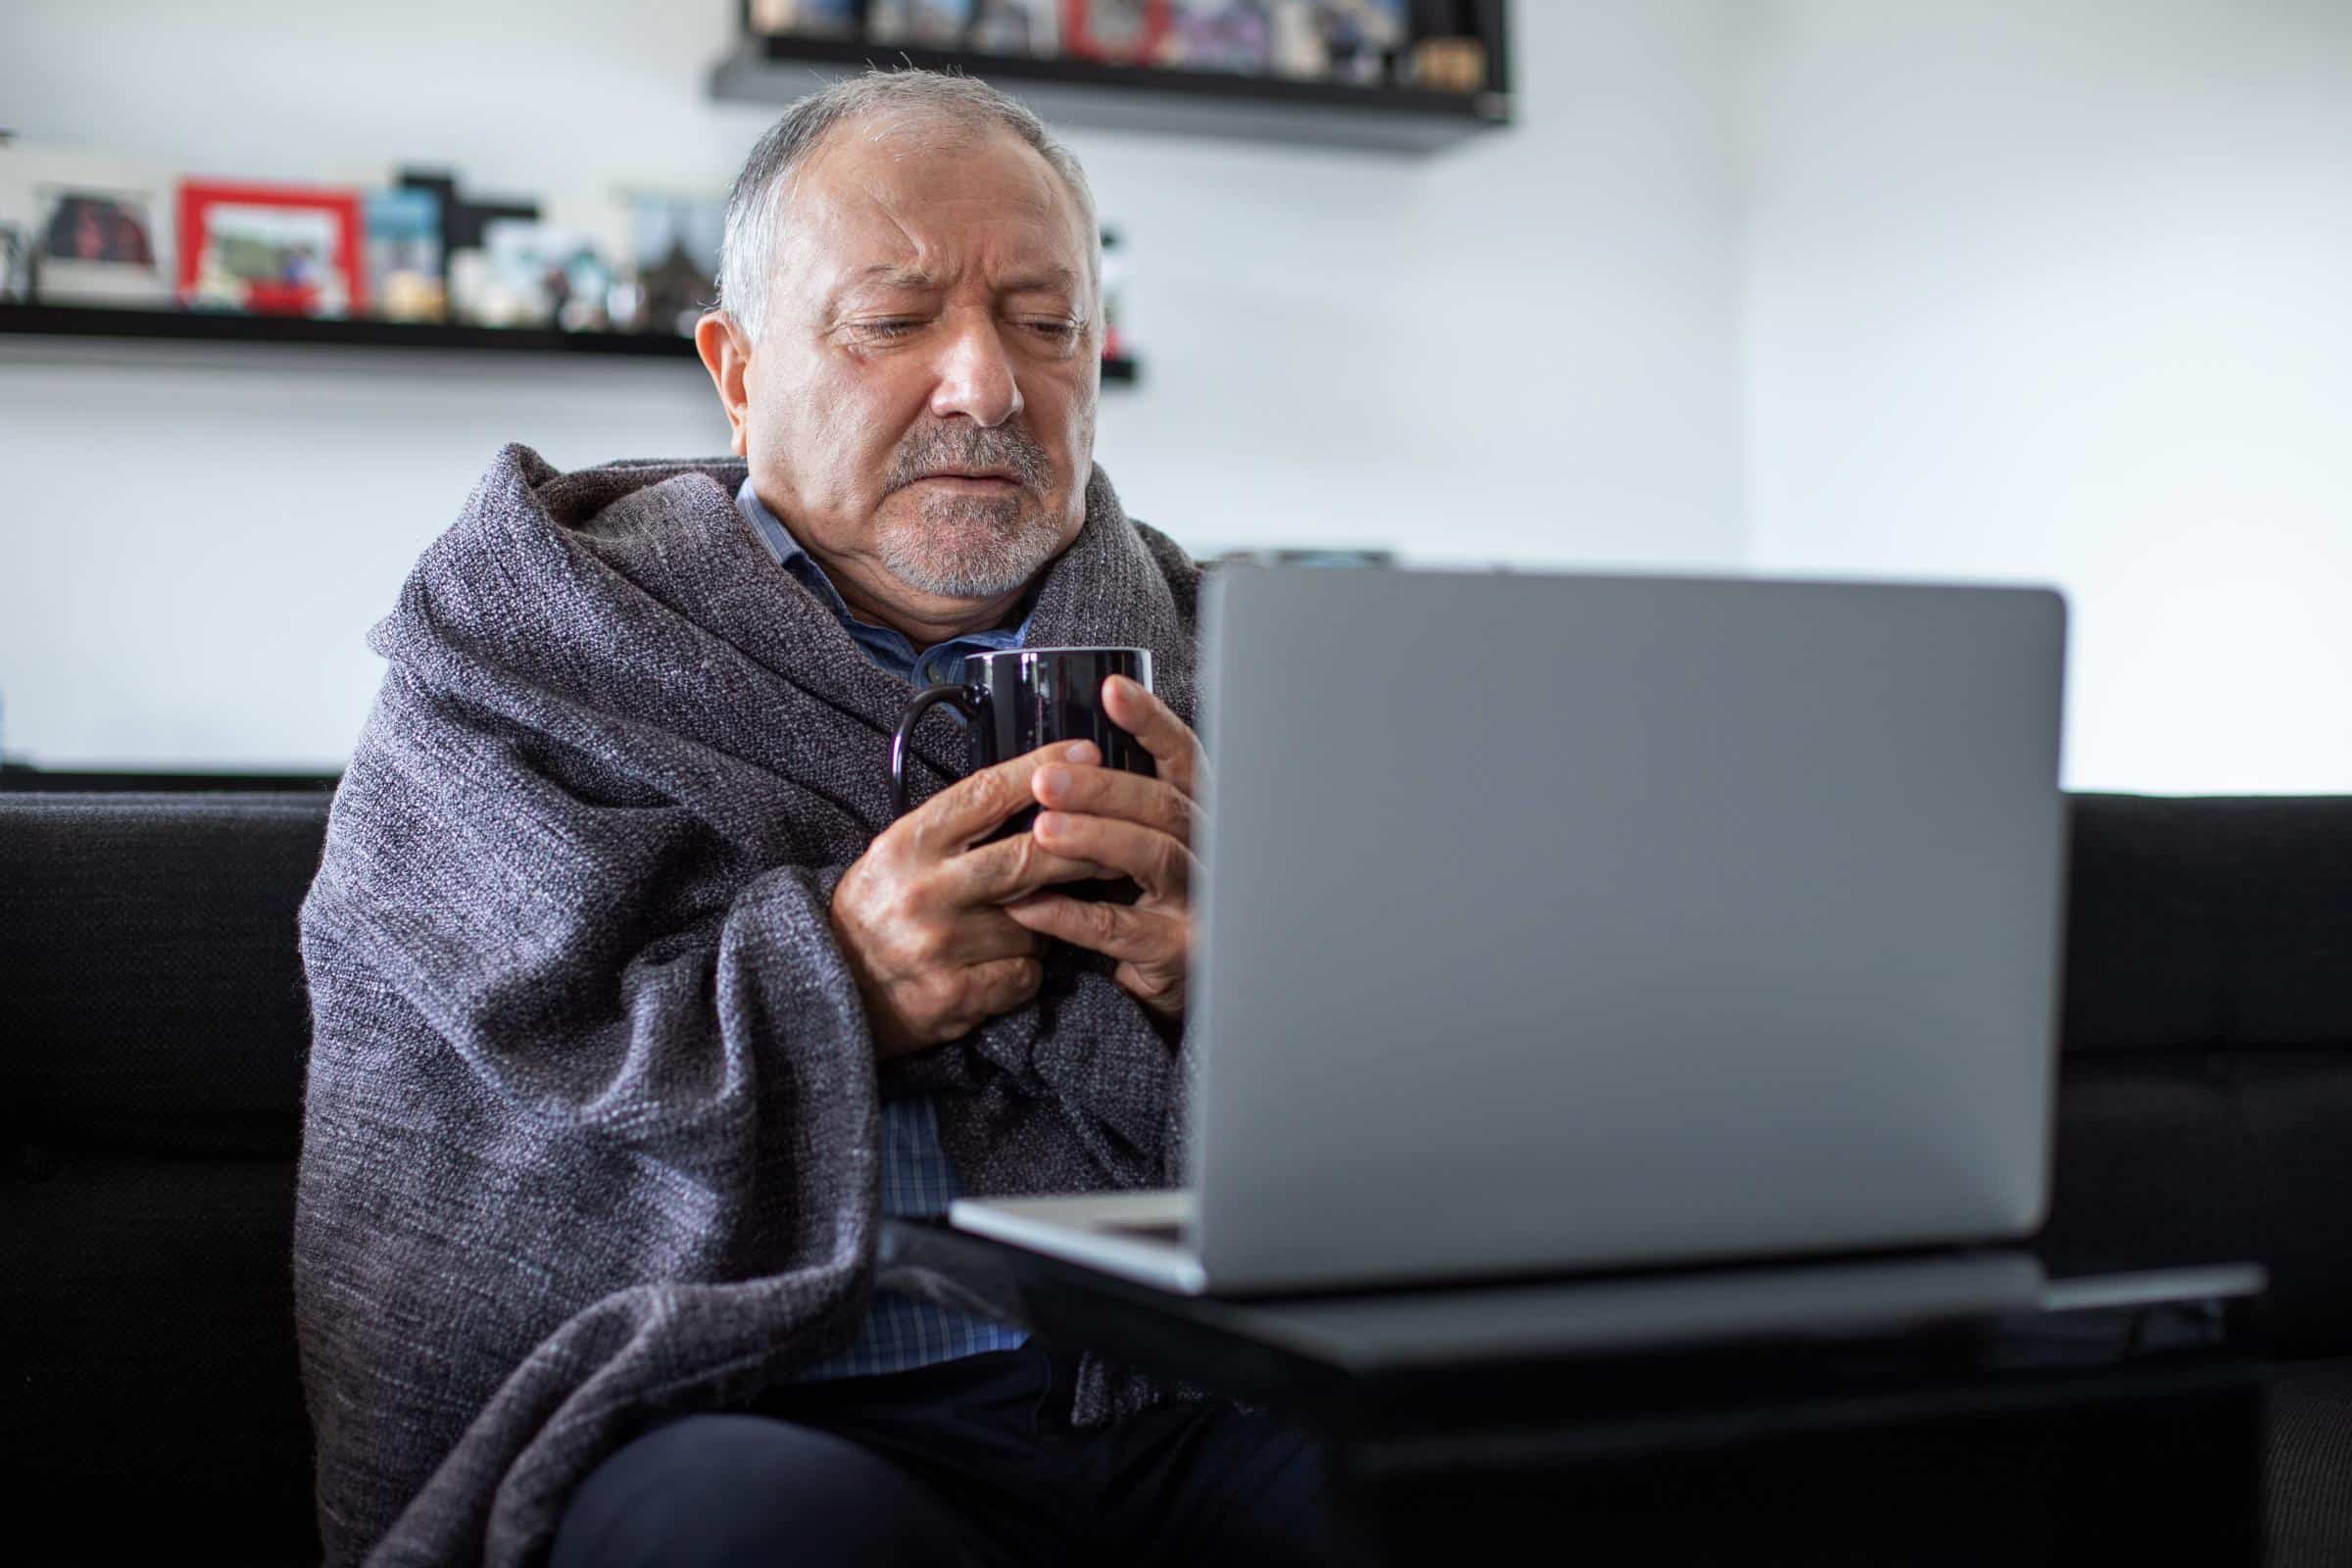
point(922, 619)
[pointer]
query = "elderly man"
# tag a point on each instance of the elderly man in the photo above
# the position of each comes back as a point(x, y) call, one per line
point(634, 1006)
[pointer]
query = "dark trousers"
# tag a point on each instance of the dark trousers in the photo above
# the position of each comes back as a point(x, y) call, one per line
point(961, 1462)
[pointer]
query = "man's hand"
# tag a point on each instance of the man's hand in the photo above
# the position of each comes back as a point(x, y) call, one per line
point(1139, 827)
point(919, 915)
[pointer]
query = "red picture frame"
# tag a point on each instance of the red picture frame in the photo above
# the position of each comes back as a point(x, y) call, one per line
point(1078, 33)
point(275, 250)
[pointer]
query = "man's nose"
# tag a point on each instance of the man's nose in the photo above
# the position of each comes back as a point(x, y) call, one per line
point(975, 375)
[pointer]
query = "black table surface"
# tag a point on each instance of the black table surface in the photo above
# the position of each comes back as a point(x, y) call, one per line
point(1840, 1337)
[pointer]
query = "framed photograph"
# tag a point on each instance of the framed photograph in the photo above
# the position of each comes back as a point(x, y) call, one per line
point(15, 262)
point(1030, 28)
point(673, 244)
point(926, 23)
point(1119, 32)
point(275, 250)
point(1220, 35)
point(1360, 34)
point(807, 18)
point(403, 255)
point(542, 274)
point(15, 233)
point(88, 230)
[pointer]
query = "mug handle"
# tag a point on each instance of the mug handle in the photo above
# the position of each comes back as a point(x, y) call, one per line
point(966, 699)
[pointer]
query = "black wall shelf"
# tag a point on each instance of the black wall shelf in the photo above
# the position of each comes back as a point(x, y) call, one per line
point(224, 326)
point(1226, 105)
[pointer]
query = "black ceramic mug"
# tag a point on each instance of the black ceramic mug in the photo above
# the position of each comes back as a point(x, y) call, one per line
point(1017, 700)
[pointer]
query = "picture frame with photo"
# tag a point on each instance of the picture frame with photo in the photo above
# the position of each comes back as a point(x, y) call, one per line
point(1232, 35)
point(16, 235)
point(673, 247)
point(807, 18)
point(921, 24)
point(1016, 28)
point(404, 268)
point(88, 230)
point(1117, 33)
point(271, 250)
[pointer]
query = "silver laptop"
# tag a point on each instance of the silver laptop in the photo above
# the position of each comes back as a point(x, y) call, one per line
point(1563, 923)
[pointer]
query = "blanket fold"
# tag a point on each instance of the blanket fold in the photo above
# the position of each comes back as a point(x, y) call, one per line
point(592, 1129)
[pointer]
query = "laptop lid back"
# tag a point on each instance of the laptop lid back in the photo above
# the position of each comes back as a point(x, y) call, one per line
point(1555, 923)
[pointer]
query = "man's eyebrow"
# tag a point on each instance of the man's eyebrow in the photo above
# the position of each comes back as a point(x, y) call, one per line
point(893, 273)
point(1045, 277)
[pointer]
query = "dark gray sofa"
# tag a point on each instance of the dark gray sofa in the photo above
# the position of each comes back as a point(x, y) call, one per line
point(152, 1032)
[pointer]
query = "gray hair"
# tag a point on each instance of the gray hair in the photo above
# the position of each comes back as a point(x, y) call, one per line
point(747, 257)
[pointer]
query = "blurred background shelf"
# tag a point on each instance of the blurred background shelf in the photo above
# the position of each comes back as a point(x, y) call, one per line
point(224, 326)
point(1140, 98)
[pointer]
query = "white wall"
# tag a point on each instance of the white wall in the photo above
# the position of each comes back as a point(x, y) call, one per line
point(2064, 292)
point(1523, 350)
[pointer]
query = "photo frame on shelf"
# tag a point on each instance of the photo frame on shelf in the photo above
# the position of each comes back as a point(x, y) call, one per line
point(16, 252)
point(1235, 36)
point(673, 244)
point(1018, 27)
point(271, 250)
point(16, 236)
point(1117, 33)
point(808, 19)
point(921, 24)
point(1359, 36)
point(88, 229)
point(403, 255)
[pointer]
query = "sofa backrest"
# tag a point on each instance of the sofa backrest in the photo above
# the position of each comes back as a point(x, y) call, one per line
point(153, 1031)
point(153, 1028)
point(2205, 1103)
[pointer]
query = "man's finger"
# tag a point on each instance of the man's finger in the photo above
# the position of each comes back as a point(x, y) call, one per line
point(971, 808)
point(1156, 860)
point(981, 936)
point(1115, 930)
point(1011, 869)
point(1114, 792)
point(1155, 725)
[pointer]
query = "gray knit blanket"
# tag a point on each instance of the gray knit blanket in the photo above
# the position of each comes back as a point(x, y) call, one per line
point(591, 1133)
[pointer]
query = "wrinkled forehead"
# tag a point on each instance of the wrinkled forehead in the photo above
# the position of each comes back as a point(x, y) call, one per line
point(932, 198)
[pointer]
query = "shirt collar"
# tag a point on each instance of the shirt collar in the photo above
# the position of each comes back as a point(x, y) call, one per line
point(886, 646)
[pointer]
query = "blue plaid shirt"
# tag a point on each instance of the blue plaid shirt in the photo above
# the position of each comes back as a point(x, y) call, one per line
point(900, 1332)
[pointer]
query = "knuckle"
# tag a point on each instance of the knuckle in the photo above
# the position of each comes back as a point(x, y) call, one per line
point(927, 944)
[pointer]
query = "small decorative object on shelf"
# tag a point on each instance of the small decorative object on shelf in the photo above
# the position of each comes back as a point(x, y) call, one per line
point(1018, 27)
point(464, 222)
point(1220, 35)
point(931, 23)
point(1446, 65)
point(405, 276)
point(270, 250)
point(673, 241)
point(1114, 286)
point(1119, 32)
point(808, 19)
point(84, 230)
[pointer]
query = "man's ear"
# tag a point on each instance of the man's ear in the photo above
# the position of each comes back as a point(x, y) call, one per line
point(726, 355)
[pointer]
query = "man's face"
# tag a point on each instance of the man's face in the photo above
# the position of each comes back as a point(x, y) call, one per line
point(921, 409)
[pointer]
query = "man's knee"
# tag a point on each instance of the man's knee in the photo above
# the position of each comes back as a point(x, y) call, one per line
point(742, 1489)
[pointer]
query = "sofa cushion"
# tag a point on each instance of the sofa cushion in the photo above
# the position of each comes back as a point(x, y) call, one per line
point(2221, 922)
point(153, 1402)
point(2307, 1464)
point(155, 996)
